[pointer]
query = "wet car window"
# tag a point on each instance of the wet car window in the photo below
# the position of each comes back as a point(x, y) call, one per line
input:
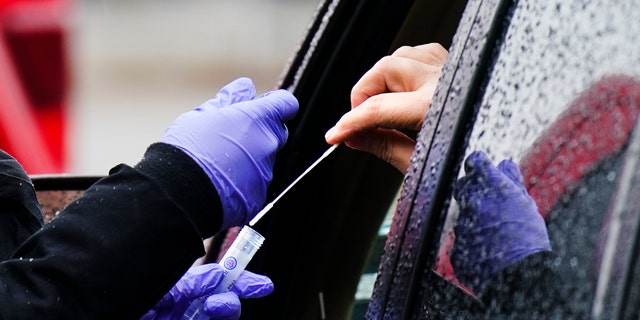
point(560, 101)
point(51, 202)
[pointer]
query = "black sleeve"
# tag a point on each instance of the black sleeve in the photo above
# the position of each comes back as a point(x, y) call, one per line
point(529, 287)
point(114, 252)
point(20, 214)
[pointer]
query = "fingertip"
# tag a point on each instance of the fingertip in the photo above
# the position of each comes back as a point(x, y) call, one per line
point(238, 90)
point(475, 160)
point(479, 156)
point(342, 131)
point(245, 86)
point(329, 136)
point(245, 89)
point(241, 82)
point(223, 306)
point(511, 170)
point(252, 285)
point(260, 290)
point(286, 103)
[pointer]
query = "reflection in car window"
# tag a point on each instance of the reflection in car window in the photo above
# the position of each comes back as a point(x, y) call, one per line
point(561, 101)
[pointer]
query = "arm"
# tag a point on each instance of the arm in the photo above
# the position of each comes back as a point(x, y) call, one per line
point(119, 248)
point(114, 250)
point(20, 215)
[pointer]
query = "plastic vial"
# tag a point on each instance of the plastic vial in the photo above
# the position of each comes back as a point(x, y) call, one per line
point(233, 263)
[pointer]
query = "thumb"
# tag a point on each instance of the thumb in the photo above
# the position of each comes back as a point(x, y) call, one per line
point(252, 285)
point(280, 105)
point(223, 306)
point(241, 89)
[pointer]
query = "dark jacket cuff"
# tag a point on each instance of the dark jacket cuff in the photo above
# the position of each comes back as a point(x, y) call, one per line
point(186, 183)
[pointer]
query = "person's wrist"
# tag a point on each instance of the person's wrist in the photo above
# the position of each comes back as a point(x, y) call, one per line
point(186, 183)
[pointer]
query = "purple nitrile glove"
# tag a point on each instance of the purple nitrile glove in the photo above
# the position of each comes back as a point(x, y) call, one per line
point(234, 137)
point(498, 223)
point(201, 281)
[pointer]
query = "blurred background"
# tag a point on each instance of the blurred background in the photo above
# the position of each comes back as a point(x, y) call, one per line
point(88, 84)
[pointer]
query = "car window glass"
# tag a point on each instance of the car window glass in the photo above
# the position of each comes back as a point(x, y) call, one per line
point(560, 101)
point(52, 201)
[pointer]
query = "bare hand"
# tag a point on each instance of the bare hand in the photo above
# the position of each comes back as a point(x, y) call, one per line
point(393, 95)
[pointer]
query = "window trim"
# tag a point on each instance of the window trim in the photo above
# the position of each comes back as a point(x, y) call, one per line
point(412, 243)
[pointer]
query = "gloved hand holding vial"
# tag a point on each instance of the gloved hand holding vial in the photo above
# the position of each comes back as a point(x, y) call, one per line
point(238, 256)
point(233, 263)
point(214, 290)
point(232, 282)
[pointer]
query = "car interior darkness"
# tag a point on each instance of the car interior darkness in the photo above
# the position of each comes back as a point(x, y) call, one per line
point(550, 85)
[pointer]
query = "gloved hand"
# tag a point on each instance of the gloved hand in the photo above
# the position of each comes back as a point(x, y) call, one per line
point(234, 138)
point(498, 223)
point(202, 280)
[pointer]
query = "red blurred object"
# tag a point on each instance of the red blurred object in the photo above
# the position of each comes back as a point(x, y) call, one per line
point(594, 127)
point(35, 82)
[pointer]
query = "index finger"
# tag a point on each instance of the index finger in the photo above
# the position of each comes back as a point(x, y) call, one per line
point(404, 70)
point(389, 110)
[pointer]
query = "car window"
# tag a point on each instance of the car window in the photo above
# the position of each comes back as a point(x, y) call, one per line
point(327, 229)
point(561, 100)
point(553, 87)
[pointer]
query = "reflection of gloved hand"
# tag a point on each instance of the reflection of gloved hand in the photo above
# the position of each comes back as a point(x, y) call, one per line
point(202, 280)
point(234, 138)
point(499, 223)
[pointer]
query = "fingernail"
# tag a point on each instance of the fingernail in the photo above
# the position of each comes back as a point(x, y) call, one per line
point(330, 133)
